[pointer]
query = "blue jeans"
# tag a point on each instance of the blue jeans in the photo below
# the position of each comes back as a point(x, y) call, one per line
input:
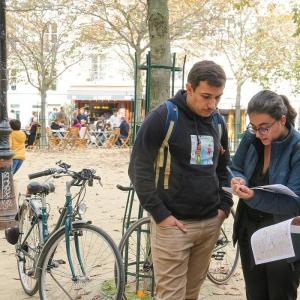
point(16, 165)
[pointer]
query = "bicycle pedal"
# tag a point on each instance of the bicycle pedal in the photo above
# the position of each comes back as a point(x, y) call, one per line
point(218, 255)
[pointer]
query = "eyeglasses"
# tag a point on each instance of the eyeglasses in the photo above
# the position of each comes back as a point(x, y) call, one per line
point(261, 130)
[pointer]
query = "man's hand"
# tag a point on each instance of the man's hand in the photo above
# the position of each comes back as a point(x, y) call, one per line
point(172, 221)
point(221, 214)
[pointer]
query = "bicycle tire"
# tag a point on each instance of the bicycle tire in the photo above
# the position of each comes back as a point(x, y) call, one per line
point(100, 272)
point(225, 256)
point(139, 276)
point(26, 266)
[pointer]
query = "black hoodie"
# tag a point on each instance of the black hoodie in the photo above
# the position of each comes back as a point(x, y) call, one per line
point(195, 181)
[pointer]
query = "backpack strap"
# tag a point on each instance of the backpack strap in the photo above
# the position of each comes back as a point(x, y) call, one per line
point(218, 121)
point(170, 125)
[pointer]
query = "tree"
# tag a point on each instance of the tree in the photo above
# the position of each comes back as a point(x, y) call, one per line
point(278, 49)
point(44, 43)
point(251, 47)
point(123, 24)
point(158, 24)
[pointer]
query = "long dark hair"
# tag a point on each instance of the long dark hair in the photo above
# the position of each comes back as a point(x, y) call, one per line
point(268, 102)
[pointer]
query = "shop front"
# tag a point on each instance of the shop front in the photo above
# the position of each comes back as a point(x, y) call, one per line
point(102, 101)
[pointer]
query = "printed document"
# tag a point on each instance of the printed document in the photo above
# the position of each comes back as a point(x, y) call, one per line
point(273, 188)
point(274, 242)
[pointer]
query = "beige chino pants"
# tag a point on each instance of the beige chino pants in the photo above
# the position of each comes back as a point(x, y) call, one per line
point(180, 259)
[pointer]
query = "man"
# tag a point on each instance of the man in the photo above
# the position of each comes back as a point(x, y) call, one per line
point(62, 116)
point(124, 131)
point(186, 217)
point(114, 120)
point(82, 116)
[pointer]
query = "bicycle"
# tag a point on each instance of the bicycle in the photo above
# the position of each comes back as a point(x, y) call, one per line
point(136, 252)
point(77, 260)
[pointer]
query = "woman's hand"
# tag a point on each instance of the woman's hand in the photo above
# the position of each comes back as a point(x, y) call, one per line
point(240, 189)
point(244, 192)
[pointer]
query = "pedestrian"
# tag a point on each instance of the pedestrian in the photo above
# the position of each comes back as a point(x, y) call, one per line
point(17, 144)
point(187, 216)
point(62, 116)
point(269, 153)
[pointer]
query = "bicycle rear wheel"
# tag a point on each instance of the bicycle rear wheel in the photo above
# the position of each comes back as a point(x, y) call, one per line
point(136, 252)
point(27, 252)
point(96, 261)
point(225, 256)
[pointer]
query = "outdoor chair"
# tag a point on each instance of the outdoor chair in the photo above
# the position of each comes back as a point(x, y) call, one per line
point(53, 141)
point(36, 142)
point(125, 142)
point(71, 138)
point(113, 137)
point(81, 141)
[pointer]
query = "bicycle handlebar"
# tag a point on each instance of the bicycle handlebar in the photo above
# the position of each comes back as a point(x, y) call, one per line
point(42, 173)
point(80, 177)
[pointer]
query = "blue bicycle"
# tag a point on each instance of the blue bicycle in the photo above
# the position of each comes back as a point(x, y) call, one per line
point(77, 260)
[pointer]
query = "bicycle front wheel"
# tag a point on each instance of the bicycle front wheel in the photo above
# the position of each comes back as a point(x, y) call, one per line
point(136, 253)
point(28, 248)
point(225, 256)
point(96, 261)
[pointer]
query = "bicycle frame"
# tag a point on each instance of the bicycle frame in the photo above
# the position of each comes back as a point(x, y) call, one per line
point(68, 229)
point(40, 218)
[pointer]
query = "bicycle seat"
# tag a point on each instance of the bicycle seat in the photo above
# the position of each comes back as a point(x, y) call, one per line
point(34, 188)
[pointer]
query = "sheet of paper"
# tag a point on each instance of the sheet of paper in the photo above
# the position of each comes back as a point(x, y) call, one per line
point(273, 188)
point(277, 188)
point(227, 189)
point(273, 243)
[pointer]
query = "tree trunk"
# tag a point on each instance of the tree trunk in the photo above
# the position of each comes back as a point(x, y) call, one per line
point(42, 120)
point(158, 25)
point(237, 115)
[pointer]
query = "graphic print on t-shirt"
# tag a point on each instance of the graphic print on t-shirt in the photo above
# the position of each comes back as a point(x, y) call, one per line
point(202, 150)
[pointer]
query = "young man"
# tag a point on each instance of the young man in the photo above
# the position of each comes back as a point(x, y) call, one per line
point(187, 215)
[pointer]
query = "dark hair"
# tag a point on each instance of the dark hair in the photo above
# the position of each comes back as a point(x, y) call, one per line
point(206, 70)
point(15, 124)
point(75, 121)
point(268, 102)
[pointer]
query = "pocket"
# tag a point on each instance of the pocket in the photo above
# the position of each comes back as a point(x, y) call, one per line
point(198, 193)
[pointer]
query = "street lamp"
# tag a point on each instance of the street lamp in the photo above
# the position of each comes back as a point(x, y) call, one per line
point(8, 206)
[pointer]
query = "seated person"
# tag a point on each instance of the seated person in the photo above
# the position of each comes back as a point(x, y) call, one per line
point(124, 131)
point(32, 132)
point(56, 125)
point(76, 124)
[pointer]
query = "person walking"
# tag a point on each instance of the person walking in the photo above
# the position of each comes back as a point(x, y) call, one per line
point(17, 144)
point(269, 153)
point(187, 216)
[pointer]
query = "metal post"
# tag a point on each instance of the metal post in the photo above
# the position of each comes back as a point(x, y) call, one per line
point(8, 207)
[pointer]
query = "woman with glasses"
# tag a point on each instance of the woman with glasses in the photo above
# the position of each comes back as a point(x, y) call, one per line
point(269, 153)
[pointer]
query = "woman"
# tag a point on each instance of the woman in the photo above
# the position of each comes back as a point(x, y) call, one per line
point(76, 124)
point(269, 153)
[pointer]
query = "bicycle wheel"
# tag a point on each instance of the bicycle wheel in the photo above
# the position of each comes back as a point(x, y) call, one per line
point(225, 256)
point(96, 260)
point(136, 252)
point(27, 251)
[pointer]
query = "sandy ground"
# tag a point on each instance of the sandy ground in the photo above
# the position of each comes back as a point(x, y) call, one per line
point(105, 208)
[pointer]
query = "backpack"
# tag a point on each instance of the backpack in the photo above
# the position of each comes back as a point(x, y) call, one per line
point(170, 126)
